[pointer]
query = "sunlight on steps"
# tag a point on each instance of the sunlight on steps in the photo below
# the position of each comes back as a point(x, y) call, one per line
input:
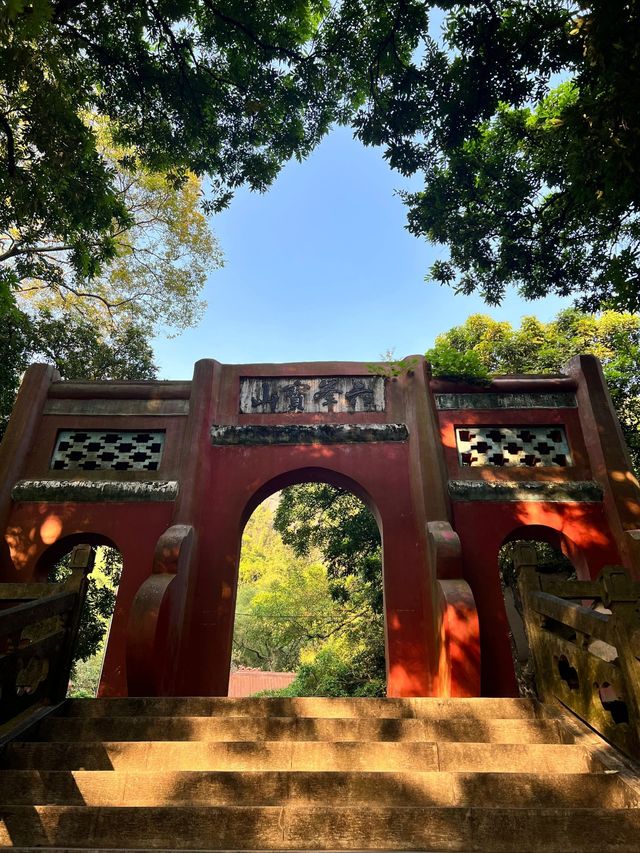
point(316, 774)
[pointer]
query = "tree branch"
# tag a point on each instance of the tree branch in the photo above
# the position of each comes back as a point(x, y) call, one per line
point(62, 7)
point(11, 145)
point(253, 37)
point(16, 250)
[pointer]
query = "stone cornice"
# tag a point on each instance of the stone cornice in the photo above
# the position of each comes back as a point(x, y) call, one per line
point(95, 491)
point(255, 434)
point(525, 490)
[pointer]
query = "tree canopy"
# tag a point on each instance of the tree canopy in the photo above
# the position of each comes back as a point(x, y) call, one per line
point(147, 268)
point(521, 116)
point(227, 89)
point(77, 347)
point(294, 613)
point(319, 518)
point(99, 603)
point(537, 347)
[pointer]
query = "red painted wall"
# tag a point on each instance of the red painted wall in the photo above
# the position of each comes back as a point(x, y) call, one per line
point(176, 602)
point(229, 482)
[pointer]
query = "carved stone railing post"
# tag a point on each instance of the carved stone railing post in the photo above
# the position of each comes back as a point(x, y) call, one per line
point(622, 597)
point(525, 560)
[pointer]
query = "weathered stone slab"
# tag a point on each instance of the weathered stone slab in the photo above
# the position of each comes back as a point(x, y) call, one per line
point(57, 491)
point(251, 434)
point(327, 827)
point(260, 729)
point(350, 394)
point(237, 756)
point(99, 407)
point(266, 788)
point(557, 400)
point(221, 706)
point(526, 490)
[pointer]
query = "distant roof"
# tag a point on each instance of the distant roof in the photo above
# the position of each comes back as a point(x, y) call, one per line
point(246, 682)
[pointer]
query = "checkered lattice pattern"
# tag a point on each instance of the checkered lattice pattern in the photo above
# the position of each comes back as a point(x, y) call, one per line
point(532, 447)
point(95, 450)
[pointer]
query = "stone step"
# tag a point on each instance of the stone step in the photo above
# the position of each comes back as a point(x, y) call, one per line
point(214, 788)
point(436, 709)
point(298, 729)
point(292, 755)
point(494, 830)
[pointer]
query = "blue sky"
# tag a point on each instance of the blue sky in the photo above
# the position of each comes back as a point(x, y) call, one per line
point(321, 267)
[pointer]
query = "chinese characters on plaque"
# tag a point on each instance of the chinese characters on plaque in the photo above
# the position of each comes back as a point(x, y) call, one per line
point(327, 394)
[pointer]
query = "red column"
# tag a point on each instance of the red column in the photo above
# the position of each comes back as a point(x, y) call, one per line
point(17, 442)
point(609, 457)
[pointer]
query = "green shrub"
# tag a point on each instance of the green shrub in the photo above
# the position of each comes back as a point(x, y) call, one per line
point(449, 363)
point(329, 675)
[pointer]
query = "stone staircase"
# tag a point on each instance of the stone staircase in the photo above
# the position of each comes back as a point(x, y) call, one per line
point(316, 774)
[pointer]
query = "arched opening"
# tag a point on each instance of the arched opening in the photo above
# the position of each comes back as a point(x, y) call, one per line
point(309, 608)
point(101, 561)
point(552, 552)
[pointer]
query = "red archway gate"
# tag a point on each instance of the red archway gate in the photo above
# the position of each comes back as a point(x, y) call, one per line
point(170, 472)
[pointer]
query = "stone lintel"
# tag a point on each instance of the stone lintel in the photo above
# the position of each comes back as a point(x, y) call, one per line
point(100, 407)
point(531, 400)
point(94, 491)
point(526, 490)
point(256, 434)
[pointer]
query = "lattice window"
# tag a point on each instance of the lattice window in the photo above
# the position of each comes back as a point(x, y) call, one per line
point(532, 447)
point(115, 450)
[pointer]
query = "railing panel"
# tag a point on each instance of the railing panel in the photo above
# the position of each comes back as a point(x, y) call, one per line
point(586, 659)
point(37, 642)
point(29, 675)
point(21, 616)
point(575, 616)
point(592, 688)
point(10, 592)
